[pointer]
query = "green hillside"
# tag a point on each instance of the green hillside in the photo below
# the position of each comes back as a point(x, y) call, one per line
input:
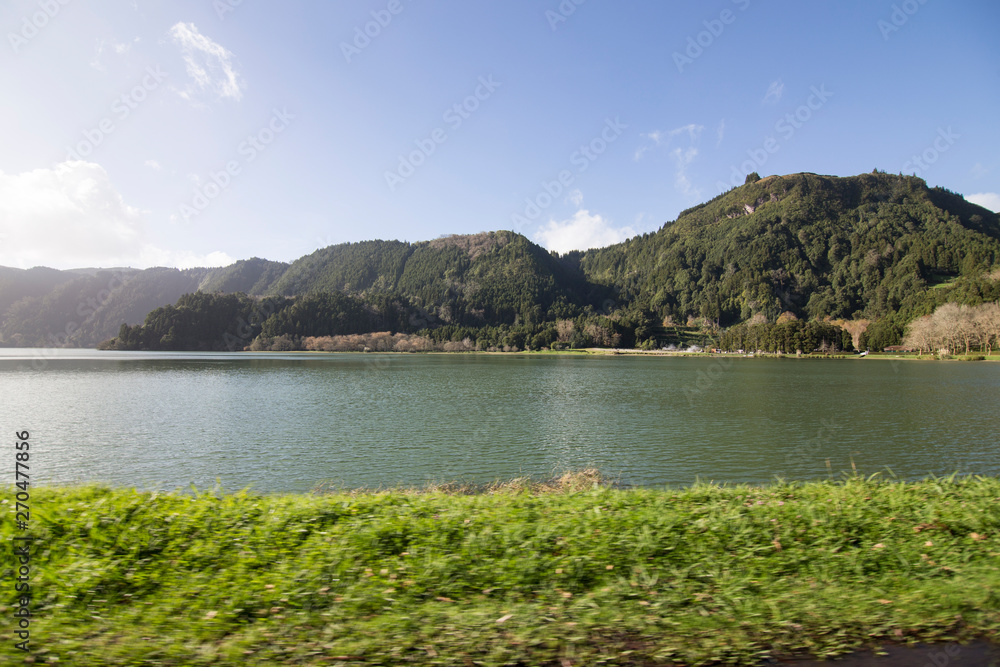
point(492, 277)
point(876, 250)
point(252, 276)
point(818, 246)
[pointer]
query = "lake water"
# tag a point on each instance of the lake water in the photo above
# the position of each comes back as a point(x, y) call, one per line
point(286, 422)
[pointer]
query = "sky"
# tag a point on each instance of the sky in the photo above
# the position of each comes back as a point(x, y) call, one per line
point(152, 133)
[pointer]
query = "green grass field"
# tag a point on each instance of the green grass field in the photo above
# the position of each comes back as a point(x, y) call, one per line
point(569, 573)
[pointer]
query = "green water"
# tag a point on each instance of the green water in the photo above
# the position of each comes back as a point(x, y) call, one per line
point(285, 422)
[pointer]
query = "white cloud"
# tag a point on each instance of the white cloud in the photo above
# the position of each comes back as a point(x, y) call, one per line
point(774, 92)
point(720, 133)
point(150, 256)
point(684, 158)
point(576, 198)
point(581, 232)
point(71, 216)
point(210, 65)
point(990, 200)
point(153, 164)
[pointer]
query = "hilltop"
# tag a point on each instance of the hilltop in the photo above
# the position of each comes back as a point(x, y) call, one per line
point(816, 246)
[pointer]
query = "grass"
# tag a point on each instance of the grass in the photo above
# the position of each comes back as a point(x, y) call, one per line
point(566, 572)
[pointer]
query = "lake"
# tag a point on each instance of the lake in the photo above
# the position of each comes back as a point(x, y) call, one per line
point(279, 422)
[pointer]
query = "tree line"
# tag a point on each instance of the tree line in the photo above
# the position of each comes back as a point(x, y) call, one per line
point(788, 336)
point(953, 327)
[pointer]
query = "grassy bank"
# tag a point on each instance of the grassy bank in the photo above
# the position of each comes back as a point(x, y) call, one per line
point(569, 573)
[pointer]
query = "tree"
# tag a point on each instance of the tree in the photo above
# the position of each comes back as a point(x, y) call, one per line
point(989, 319)
point(920, 334)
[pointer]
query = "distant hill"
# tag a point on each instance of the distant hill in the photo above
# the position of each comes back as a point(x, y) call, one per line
point(492, 277)
point(252, 276)
point(875, 247)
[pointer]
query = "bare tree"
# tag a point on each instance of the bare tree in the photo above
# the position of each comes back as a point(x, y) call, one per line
point(920, 334)
point(988, 318)
point(965, 329)
point(946, 323)
point(952, 326)
point(564, 328)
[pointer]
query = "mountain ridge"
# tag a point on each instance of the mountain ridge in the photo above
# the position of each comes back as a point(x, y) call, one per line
point(874, 246)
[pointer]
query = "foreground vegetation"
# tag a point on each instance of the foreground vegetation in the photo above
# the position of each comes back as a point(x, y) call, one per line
point(568, 573)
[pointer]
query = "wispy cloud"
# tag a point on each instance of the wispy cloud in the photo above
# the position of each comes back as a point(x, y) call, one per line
point(659, 138)
point(774, 92)
point(653, 139)
point(683, 156)
point(720, 133)
point(990, 200)
point(152, 164)
point(683, 159)
point(210, 65)
point(581, 232)
point(692, 130)
point(103, 47)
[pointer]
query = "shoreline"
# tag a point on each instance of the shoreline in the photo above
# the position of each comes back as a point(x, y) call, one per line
point(635, 352)
point(583, 352)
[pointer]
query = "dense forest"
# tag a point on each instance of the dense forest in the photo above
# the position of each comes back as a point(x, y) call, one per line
point(784, 262)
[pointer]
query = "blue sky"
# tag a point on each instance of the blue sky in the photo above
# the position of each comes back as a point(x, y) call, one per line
point(185, 133)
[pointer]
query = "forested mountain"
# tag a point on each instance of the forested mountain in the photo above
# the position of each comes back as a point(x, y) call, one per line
point(875, 250)
point(487, 278)
point(16, 284)
point(84, 309)
point(817, 246)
